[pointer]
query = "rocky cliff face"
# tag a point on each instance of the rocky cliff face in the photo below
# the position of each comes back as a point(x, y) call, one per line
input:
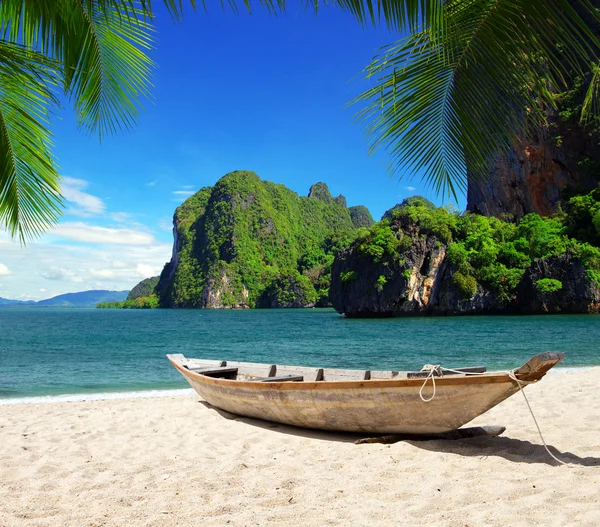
point(578, 294)
point(532, 175)
point(248, 243)
point(421, 278)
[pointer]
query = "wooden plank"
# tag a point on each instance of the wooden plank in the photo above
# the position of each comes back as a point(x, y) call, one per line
point(226, 372)
point(204, 363)
point(330, 374)
point(177, 357)
point(461, 433)
point(253, 369)
point(281, 378)
point(536, 367)
point(423, 374)
point(386, 374)
point(309, 374)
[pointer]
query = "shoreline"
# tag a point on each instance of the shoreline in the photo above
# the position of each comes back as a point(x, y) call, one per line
point(96, 396)
point(170, 461)
point(170, 392)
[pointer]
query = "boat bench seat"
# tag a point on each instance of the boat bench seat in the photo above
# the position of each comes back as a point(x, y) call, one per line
point(330, 374)
point(281, 378)
point(222, 372)
point(444, 371)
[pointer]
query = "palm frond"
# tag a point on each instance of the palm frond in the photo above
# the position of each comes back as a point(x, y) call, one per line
point(397, 15)
point(29, 184)
point(591, 102)
point(445, 104)
point(108, 72)
point(101, 45)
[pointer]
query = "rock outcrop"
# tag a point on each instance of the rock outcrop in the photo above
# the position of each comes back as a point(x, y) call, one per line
point(246, 243)
point(578, 294)
point(532, 175)
point(420, 279)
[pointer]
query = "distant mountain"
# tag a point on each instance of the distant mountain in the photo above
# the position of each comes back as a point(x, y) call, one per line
point(7, 302)
point(81, 299)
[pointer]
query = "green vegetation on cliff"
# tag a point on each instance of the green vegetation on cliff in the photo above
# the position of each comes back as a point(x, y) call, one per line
point(144, 288)
point(247, 243)
point(489, 250)
point(361, 217)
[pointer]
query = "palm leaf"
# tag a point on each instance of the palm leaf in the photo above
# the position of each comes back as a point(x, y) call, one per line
point(101, 45)
point(29, 191)
point(445, 104)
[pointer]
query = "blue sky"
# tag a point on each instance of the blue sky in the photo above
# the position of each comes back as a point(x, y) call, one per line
point(231, 92)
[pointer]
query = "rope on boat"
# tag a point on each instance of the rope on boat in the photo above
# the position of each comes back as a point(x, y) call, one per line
point(435, 369)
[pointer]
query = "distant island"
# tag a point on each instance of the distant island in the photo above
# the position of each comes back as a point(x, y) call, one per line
point(422, 259)
point(142, 296)
point(246, 242)
point(82, 299)
point(249, 243)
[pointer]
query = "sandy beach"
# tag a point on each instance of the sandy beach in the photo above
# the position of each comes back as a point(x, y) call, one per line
point(176, 462)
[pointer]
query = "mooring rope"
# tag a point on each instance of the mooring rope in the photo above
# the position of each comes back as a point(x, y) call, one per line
point(434, 369)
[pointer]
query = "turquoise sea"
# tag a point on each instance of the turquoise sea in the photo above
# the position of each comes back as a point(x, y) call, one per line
point(46, 352)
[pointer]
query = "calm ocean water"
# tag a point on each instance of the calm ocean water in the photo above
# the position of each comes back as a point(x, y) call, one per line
point(81, 351)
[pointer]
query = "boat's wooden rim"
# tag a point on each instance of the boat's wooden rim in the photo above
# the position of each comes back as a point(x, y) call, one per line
point(485, 378)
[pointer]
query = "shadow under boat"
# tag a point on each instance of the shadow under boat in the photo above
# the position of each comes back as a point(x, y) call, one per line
point(480, 445)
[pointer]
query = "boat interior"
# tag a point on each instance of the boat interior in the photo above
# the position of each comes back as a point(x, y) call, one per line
point(250, 371)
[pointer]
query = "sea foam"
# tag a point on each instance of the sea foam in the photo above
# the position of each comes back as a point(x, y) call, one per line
point(78, 397)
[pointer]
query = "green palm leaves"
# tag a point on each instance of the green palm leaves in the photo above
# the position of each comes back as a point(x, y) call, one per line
point(470, 75)
point(29, 198)
point(446, 100)
point(92, 50)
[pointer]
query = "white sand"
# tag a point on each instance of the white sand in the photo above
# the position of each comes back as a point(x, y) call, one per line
point(174, 461)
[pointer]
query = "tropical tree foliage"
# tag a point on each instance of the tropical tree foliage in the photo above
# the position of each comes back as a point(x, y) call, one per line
point(446, 98)
point(469, 74)
point(488, 251)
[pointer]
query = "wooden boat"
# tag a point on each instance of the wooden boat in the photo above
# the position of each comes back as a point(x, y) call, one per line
point(386, 402)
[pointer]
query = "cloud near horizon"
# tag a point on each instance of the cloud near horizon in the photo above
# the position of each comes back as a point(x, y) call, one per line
point(43, 270)
point(83, 232)
point(83, 204)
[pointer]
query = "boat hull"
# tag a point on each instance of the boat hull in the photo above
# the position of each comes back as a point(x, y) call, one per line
point(386, 407)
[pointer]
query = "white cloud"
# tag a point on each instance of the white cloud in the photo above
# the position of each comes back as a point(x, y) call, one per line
point(146, 271)
point(82, 232)
point(118, 264)
point(62, 275)
point(103, 273)
point(184, 192)
point(121, 217)
point(85, 204)
point(410, 189)
point(4, 271)
point(73, 267)
point(152, 183)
